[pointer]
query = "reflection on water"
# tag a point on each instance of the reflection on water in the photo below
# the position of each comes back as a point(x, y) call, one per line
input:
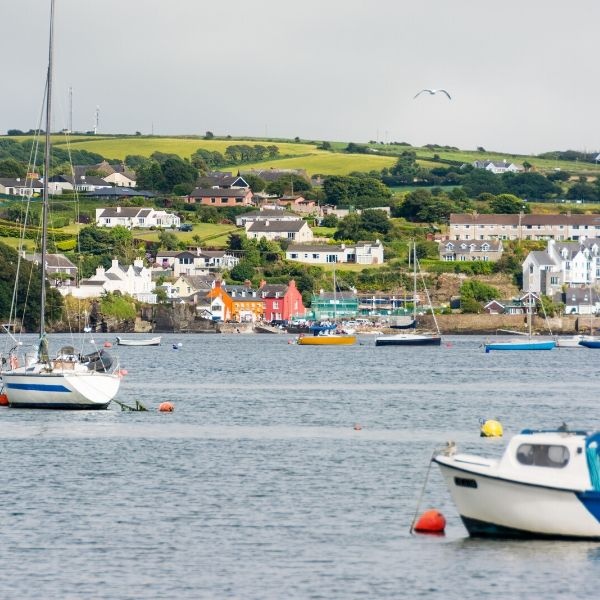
point(258, 486)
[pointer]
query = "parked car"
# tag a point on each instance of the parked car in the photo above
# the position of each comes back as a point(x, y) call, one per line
point(186, 227)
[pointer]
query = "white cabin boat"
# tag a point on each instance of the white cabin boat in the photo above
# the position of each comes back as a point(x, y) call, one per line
point(545, 485)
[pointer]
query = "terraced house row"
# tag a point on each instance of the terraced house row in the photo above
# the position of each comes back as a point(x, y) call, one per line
point(523, 227)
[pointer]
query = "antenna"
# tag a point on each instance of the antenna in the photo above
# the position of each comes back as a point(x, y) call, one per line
point(96, 120)
point(70, 110)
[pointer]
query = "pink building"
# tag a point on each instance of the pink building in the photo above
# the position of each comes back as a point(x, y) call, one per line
point(282, 302)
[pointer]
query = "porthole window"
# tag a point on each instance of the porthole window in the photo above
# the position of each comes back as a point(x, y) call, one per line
point(543, 455)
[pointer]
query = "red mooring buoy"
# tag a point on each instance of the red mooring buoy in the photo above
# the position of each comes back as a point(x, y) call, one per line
point(166, 407)
point(3, 400)
point(431, 521)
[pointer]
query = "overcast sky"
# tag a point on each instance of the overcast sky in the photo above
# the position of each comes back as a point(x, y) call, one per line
point(522, 73)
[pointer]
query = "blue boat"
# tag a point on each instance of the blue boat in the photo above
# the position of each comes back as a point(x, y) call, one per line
point(590, 343)
point(526, 344)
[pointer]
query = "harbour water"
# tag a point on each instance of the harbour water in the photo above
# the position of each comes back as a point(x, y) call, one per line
point(259, 487)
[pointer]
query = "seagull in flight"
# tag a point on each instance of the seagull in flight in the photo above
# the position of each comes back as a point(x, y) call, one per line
point(433, 92)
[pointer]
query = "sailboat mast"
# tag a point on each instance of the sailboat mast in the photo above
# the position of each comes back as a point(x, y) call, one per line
point(414, 281)
point(46, 170)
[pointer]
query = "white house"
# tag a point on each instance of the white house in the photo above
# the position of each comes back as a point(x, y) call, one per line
point(275, 214)
point(364, 253)
point(497, 167)
point(17, 186)
point(121, 179)
point(135, 280)
point(135, 217)
point(195, 262)
point(297, 231)
point(468, 250)
point(575, 264)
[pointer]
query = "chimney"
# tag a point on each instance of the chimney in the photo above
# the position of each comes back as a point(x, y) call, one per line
point(247, 283)
point(118, 209)
point(262, 283)
point(114, 263)
point(138, 262)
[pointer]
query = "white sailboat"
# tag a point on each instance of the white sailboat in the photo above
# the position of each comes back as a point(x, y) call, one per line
point(70, 380)
point(413, 338)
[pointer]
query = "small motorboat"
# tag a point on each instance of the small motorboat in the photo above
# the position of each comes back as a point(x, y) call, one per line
point(326, 335)
point(520, 344)
point(409, 339)
point(590, 342)
point(155, 341)
point(545, 485)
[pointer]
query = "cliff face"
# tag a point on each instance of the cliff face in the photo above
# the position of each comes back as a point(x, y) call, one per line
point(179, 318)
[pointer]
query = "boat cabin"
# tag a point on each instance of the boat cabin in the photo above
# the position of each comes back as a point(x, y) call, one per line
point(563, 459)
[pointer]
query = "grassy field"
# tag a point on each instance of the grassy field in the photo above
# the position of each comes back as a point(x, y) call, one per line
point(210, 234)
point(302, 155)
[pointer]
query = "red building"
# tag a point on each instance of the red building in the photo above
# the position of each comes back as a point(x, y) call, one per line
point(282, 302)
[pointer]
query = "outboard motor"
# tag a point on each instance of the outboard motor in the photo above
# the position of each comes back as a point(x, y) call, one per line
point(98, 361)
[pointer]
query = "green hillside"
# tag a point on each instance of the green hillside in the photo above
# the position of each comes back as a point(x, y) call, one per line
point(303, 154)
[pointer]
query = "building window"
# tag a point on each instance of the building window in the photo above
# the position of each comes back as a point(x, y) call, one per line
point(553, 280)
point(223, 200)
point(315, 256)
point(213, 200)
point(294, 255)
point(275, 305)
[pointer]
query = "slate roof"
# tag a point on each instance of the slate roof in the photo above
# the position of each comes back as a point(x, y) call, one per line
point(52, 260)
point(125, 211)
point(536, 219)
point(20, 182)
point(494, 245)
point(314, 248)
point(270, 214)
point(119, 192)
point(270, 226)
point(270, 290)
point(219, 193)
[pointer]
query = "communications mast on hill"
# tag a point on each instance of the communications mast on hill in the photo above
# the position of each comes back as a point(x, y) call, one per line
point(96, 120)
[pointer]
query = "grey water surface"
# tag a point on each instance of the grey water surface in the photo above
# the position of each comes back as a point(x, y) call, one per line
point(259, 487)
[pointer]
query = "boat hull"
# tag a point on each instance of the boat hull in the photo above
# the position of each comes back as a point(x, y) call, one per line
point(502, 508)
point(327, 340)
point(63, 391)
point(594, 344)
point(408, 340)
point(150, 342)
point(528, 345)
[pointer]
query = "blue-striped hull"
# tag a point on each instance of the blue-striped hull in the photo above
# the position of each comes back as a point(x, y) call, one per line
point(529, 345)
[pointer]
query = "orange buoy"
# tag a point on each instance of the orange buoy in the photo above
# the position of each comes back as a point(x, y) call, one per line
point(357, 426)
point(166, 407)
point(107, 345)
point(3, 400)
point(431, 521)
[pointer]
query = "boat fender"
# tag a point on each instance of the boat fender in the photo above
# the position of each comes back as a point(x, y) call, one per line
point(357, 426)
point(490, 428)
point(166, 407)
point(431, 521)
point(107, 345)
point(3, 400)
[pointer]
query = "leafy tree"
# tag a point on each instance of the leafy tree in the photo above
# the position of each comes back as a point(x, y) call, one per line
point(178, 171)
point(242, 271)
point(96, 241)
point(583, 191)
point(375, 221)
point(286, 183)
point(330, 220)
point(209, 135)
point(135, 161)
point(150, 176)
point(559, 176)
point(530, 185)
point(168, 240)
point(350, 228)
point(183, 189)
point(508, 204)
point(405, 169)
point(324, 146)
point(256, 183)
point(235, 242)
point(478, 181)
point(9, 167)
point(478, 290)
